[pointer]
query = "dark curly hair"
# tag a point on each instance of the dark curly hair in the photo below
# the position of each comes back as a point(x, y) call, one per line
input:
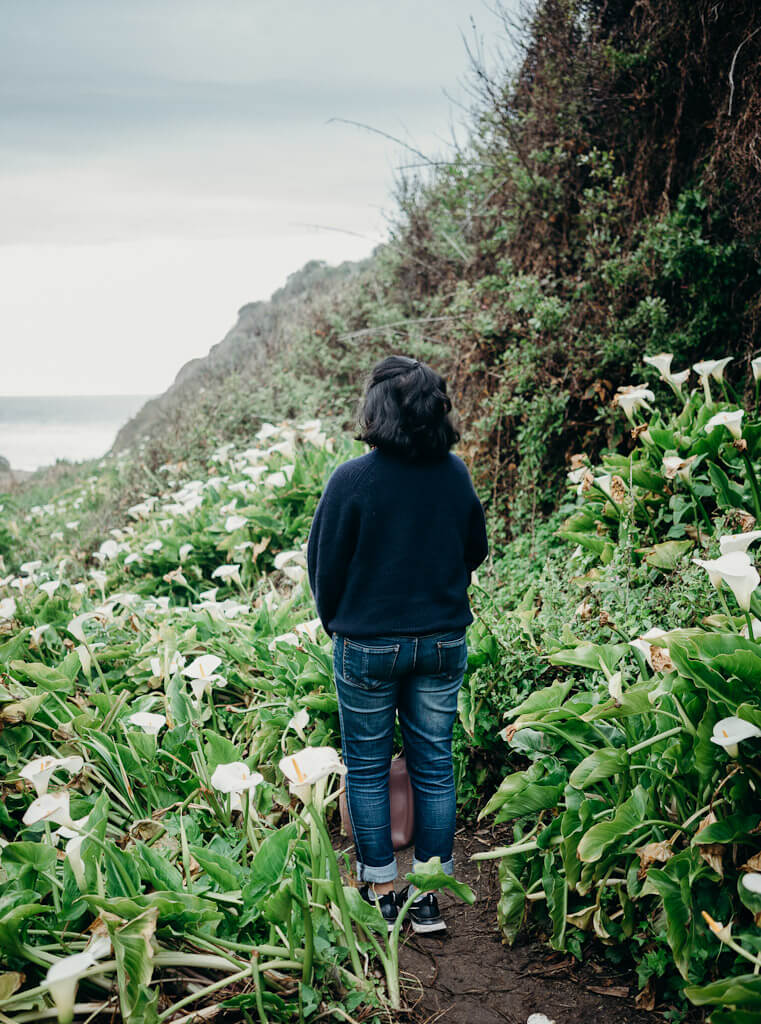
point(405, 410)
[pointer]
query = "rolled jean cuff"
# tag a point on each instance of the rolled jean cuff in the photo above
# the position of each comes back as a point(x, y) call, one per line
point(447, 866)
point(384, 873)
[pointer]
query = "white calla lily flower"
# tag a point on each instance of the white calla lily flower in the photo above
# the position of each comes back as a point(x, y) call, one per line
point(152, 546)
point(235, 777)
point(631, 399)
point(227, 571)
point(62, 980)
point(184, 551)
point(661, 362)
point(308, 766)
point(7, 609)
point(284, 638)
point(755, 365)
point(730, 732)
point(738, 541)
point(50, 586)
point(712, 368)
point(29, 568)
point(731, 420)
point(73, 853)
point(310, 628)
point(150, 722)
point(752, 882)
point(736, 571)
point(175, 664)
point(278, 479)
point(50, 807)
point(202, 667)
point(298, 723)
point(39, 771)
point(233, 523)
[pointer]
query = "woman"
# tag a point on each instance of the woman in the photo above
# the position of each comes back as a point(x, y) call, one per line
point(395, 537)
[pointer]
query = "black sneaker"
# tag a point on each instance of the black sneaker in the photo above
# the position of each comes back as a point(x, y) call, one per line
point(386, 904)
point(424, 913)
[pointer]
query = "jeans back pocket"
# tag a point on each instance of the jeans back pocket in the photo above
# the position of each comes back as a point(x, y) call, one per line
point(452, 657)
point(369, 666)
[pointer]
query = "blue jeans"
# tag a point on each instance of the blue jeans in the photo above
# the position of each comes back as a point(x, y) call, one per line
point(418, 676)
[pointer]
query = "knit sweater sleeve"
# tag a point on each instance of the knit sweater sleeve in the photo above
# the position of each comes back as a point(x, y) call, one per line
point(477, 547)
point(332, 540)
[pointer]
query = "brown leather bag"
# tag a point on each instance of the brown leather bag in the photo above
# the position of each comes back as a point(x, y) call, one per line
point(402, 806)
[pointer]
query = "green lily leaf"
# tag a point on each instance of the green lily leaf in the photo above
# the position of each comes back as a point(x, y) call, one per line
point(430, 878)
point(600, 764)
point(743, 990)
point(628, 816)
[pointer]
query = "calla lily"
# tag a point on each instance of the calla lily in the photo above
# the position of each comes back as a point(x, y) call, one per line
point(134, 557)
point(150, 723)
point(675, 465)
point(661, 362)
point(309, 425)
point(298, 723)
point(284, 638)
point(276, 479)
point(35, 637)
point(266, 430)
point(731, 420)
point(615, 686)
point(7, 609)
point(185, 551)
point(632, 398)
point(730, 732)
point(202, 667)
point(176, 663)
point(752, 882)
point(712, 368)
point(153, 546)
point(755, 365)
point(50, 586)
point(738, 541)
point(737, 571)
point(756, 630)
point(657, 657)
point(209, 595)
point(309, 629)
point(39, 771)
point(62, 980)
point(107, 550)
point(73, 853)
point(233, 523)
point(31, 567)
point(50, 807)
point(228, 571)
point(235, 777)
point(308, 766)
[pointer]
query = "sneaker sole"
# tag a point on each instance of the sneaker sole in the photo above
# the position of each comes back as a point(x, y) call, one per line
point(428, 927)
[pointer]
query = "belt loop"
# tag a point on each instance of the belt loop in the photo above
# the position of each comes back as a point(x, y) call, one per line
point(414, 656)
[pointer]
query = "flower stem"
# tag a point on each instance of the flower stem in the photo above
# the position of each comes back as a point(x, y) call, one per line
point(753, 481)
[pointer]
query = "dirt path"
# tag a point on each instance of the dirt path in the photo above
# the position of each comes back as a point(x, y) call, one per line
point(470, 977)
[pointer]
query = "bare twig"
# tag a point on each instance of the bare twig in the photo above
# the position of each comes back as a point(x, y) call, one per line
point(732, 68)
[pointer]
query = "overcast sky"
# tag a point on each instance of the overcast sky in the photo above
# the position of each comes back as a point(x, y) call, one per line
point(163, 162)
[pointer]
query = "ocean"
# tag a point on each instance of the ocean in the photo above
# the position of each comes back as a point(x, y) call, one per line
point(36, 430)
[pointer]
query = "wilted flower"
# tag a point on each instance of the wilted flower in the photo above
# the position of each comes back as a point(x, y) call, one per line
point(730, 732)
point(675, 465)
point(658, 658)
point(39, 771)
point(731, 420)
point(737, 571)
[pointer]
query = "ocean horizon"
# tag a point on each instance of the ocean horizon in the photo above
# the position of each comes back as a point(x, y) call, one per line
point(36, 430)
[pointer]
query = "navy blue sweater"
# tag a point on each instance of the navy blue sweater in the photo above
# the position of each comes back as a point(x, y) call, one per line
point(392, 546)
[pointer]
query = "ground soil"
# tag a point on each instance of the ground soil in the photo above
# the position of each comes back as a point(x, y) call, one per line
point(470, 977)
